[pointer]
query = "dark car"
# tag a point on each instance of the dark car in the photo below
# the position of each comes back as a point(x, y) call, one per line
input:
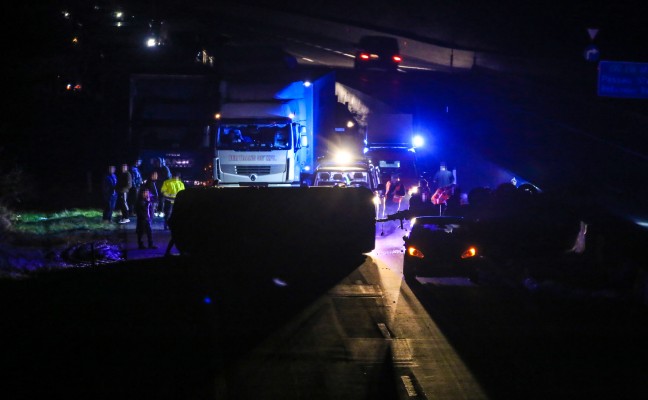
point(531, 239)
point(441, 246)
point(377, 52)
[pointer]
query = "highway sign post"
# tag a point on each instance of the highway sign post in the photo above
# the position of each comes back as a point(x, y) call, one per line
point(623, 79)
point(591, 53)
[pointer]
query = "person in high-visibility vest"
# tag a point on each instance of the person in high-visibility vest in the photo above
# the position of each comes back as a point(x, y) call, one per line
point(170, 189)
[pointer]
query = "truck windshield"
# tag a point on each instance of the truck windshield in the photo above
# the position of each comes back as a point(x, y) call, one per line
point(405, 168)
point(254, 137)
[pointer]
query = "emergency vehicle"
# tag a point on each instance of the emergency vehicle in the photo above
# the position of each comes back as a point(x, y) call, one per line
point(344, 170)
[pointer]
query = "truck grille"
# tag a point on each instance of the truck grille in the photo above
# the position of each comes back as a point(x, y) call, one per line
point(247, 170)
point(252, 169)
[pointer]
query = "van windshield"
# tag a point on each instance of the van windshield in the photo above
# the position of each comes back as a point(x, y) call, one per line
point(348, 178)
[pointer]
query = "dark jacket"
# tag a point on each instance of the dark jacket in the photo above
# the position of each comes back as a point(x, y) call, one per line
point(108, 186)
point(136, 177)
point(144, 210)
point(124, 182)
point(151, 185)
point(443, 178)
point(163, 171)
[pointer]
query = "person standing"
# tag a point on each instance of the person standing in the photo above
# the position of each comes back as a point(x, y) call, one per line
point(395, 191)
point(170, 189)
point(109, 194)
point(144, 212)
point(421, 198)
point(163, 173)
point(443, 177)
point(151, 184)
point(124, 184)
point(133, 193)
point(444, 182)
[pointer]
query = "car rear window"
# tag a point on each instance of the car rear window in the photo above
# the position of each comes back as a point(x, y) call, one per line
point(449, 228)
point(378, 42)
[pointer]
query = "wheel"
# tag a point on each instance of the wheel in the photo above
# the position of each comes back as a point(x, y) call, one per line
point(409, 273)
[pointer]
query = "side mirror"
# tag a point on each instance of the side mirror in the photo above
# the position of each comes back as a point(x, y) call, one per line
point(303, 141)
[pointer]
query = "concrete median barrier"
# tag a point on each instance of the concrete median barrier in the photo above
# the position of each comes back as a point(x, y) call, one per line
point(254, 221)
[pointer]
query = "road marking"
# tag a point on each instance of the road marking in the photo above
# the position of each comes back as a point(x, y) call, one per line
point(342, 290)
point(409, 386)
point(344, 54)
point(417, 68)
point(401, 351)
point(383, 329)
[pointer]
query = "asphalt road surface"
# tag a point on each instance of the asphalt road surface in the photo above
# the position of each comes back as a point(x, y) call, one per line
point(296, 328)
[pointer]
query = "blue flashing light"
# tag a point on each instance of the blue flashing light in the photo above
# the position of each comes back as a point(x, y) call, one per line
point(641, 223)
point(418, 141)
point(279, 282)
point(294, 90)
point(207, 300)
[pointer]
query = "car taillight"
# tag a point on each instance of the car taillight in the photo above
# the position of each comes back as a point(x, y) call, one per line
point(364, 56)
point(397, 59)
point(414, 252)
point(471, 252)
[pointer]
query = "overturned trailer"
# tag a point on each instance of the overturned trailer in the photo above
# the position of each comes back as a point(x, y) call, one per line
point(256, 221)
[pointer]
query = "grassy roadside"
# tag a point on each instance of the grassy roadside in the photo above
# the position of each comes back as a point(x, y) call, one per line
point(40, 224)
point(32, 242)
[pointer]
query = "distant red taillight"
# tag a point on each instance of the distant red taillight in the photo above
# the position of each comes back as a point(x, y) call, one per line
point(397, 59)
point(364, 56)
point(470, 252)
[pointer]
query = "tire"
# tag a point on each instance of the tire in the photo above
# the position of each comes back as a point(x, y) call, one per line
point(409, 273)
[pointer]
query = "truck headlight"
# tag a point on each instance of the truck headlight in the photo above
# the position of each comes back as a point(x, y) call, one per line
point(342, 157)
